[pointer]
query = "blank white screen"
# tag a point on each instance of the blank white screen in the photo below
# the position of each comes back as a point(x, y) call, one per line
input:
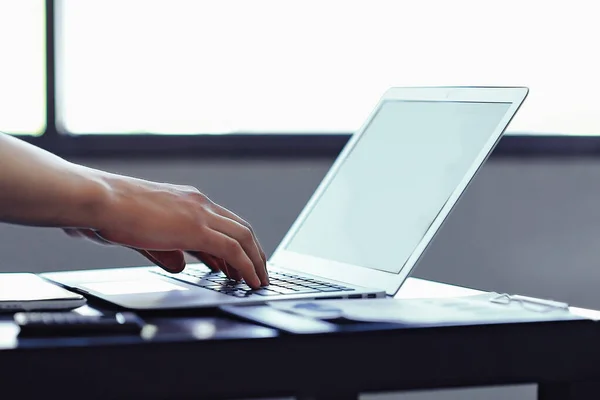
point(388, 191)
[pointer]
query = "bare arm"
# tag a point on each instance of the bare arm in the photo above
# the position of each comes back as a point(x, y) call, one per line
point(39, 188)
point(159, 220)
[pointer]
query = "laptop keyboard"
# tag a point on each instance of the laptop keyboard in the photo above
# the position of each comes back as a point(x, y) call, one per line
point(280, 283)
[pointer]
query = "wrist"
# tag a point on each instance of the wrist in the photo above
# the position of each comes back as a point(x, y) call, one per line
point(91, 200)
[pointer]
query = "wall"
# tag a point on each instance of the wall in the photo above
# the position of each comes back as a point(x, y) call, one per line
point(524, 226)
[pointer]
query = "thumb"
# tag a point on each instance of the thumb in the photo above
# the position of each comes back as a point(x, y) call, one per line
point(169, 260)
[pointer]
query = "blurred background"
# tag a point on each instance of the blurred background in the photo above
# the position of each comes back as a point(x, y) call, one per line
point(251, 100)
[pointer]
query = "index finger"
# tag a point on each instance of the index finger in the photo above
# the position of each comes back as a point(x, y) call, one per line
point(245, 238)
point(232, 252)
point(229, 214)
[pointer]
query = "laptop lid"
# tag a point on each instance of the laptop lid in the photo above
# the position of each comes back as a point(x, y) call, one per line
point(395, 182)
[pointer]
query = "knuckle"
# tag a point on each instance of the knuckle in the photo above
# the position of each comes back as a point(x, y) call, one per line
point(203, 231)
point(193, 193)
point(247, 225)
point(201, 198)
point(202, 213)
point(247, 234)
point(233, 247)
point(188, 188)
point(200, 222)
point(183, 189)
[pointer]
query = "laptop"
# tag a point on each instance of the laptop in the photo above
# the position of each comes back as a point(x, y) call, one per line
point(368, 223)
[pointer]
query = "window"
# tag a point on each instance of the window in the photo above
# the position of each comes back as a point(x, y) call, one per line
point(271, 76)
point(22, 67)
point(314, 66)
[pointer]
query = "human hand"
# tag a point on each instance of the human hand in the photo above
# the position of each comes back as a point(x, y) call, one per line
point(162, 221)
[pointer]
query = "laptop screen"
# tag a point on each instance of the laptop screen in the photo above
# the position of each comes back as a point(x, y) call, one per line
point(398, 176)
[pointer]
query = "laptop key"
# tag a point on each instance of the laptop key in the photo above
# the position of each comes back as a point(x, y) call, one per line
point(268, 293)
point(217, 279)
point(288, 286)
point(211, 286)
point(265, 292)
point(305, 290)
point(312, 284)
point(283, 290)
point(225, 290)
point(298, 281)
point(315, 285)
point(199, 268)
point(328, 289)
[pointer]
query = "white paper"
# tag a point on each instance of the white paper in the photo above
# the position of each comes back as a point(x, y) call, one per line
point(29, 287)
point(435, 311)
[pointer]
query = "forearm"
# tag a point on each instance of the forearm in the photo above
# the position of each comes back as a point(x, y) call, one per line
point(38, 188)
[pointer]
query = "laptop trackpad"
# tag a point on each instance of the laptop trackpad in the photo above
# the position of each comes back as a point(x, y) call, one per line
point(124, 287)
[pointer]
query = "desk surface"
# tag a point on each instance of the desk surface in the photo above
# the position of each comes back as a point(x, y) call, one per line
point(200, 355)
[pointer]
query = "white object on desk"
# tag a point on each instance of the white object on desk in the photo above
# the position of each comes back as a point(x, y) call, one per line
point(421, 288)
point(422, 302)
point(26, 291)
point(484, 308)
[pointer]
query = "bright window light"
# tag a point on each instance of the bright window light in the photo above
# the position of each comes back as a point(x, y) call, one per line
point(273, 66)
point(22, 67)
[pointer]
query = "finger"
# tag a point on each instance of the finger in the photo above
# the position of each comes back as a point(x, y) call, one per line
point(231, 215)
point(225, 268)
point(245, 230)
point(207, 259)
point(217, 264)
point(232, 272)
point(73, 232)
point(228, 270)
point(171, 261)
point(232, 252)
point(245, 238)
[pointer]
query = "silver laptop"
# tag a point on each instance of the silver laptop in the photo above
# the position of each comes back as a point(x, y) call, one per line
point(369, 221)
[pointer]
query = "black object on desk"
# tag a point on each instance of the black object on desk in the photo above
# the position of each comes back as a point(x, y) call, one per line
point(47, 324)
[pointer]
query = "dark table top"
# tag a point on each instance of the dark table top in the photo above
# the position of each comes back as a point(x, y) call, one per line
point(206, 354)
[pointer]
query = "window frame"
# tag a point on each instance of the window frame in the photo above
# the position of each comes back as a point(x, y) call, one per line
point(249, 145)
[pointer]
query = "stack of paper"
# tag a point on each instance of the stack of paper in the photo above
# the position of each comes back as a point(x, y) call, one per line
point(480, 308)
